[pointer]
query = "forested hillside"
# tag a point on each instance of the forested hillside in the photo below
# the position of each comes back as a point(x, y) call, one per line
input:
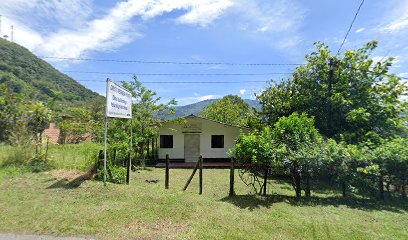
point(35, 79)
point(196, 108)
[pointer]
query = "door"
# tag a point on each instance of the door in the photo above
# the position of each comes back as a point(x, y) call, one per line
point(191, 147)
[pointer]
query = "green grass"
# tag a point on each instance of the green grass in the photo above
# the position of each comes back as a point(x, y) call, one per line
point(40, 204)
point(68, 156)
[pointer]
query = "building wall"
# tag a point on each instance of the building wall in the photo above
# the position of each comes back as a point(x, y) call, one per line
point(207, 128)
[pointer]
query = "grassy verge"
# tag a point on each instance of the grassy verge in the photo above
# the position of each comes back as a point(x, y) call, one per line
point(40, 203)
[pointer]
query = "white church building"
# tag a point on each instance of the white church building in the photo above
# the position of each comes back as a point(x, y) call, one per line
point(197, 136)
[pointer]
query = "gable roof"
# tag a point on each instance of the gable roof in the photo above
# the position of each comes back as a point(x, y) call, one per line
point(225, 124)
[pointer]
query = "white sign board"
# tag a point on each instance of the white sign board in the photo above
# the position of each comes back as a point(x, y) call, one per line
point(118, 101)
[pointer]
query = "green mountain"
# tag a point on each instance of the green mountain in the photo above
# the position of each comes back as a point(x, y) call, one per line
point(35, 79)
point(197, 107)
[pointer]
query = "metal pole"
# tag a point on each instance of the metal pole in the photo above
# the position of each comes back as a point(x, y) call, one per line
point(106, 134)
point(129, 167)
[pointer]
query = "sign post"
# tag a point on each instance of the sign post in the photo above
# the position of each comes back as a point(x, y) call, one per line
point(118, 105)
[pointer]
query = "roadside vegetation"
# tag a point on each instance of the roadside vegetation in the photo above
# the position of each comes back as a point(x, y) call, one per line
point(47, 203)
point(327, 157)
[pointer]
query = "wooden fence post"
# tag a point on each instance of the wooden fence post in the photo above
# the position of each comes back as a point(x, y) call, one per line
point(167, 172)
point(232, 180)
point(191, 177)
point(128, 166)
point(200, 160)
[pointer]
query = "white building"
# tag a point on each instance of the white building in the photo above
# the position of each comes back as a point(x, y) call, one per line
point(186, 141)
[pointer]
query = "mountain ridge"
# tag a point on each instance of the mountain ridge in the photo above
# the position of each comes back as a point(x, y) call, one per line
point(195, 108)
point(35, 79)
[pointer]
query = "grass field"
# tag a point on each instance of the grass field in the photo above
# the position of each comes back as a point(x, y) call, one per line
point(45, 203)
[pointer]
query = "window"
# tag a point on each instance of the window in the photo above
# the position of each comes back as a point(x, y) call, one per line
point(166, 141)
point(217, 141)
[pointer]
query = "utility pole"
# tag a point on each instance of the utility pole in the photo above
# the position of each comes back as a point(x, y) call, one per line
point(12, 34)
point(329, 95)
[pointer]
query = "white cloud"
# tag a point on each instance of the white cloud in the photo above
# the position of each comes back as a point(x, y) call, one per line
point(403, 74)
point(242, 91)
point(73, 28)
point(277, 22)
point(396, 20)
point(382, 58)
point(397, 25)
point(105, 33)
point(189, 100)
point(203, 14)
point(360, 30)
point(272, 16)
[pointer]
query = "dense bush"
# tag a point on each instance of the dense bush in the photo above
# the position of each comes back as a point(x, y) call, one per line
point(295, 146)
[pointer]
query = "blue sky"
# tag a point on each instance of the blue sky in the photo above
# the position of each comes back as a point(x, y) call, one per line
point(234, 31)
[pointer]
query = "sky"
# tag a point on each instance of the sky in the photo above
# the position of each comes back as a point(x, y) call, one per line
point(199, 31)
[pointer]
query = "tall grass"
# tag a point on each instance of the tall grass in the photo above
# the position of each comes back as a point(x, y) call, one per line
point(74, 156)
point(69, 156)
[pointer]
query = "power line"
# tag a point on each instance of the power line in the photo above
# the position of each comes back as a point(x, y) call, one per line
point(172, 62)
point(351, 25)
point(179, 82)
point(181, 74)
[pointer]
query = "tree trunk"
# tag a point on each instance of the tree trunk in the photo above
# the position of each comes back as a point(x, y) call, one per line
point(344, 188)
point(148, 148)
point(296, 181)
point(265, 181)
point(307, 190)
point(153, 155)
point(381, 187)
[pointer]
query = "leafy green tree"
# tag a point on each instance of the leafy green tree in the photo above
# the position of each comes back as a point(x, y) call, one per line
point(255, 151)
point(341, 161)
point(10, 109)
point(38, 117)
point(231, 110)
point(351, 96)
point(297, 141)
point(293, 144)
point(389, 162)
point(96, 108)
point(148, 115)
point(76, 125)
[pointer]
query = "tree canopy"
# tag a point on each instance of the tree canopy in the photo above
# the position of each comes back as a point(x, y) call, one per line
point(351, 96)
point(232, 110)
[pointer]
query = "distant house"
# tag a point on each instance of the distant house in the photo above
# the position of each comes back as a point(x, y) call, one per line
point(55, 135)
point(186, 141)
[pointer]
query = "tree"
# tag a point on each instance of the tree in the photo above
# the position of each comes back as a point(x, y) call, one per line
point(255, 151)
point(37, 117)
point(231, 110)
point(389, 163)
point(341, 162)
point(10, 109)
point(293, 144)
point(76, 125)
point(351, 96)
point(297, 141)
point(148, 115)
